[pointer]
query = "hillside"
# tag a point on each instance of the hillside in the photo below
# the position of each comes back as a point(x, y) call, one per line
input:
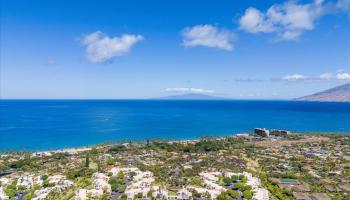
point(337, 94)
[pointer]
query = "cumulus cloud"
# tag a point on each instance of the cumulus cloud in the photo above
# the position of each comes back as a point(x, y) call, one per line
point(293, 77)
point(329, 76)
point(209, 36)
point(340, 75)
point(101, 48)
point(254, 21)
point(289, 20)
point(187, 89)
point(343, 76)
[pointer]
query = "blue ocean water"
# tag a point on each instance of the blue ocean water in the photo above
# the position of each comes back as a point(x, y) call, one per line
point(53, 124)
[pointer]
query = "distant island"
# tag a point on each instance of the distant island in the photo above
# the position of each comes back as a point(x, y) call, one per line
point(337, 94)
point(191, 96)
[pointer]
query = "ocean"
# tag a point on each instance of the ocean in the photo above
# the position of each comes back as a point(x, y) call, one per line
point(55, 124)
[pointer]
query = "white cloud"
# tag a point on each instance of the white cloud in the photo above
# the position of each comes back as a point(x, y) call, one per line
point(289, 20)
point(186, 89)
point(294, 77)
point(339, 75)
point(254, 21)
point(343, 76)
point(209, 36)
point(101, 48)
point(326, 76)
point(329, 76)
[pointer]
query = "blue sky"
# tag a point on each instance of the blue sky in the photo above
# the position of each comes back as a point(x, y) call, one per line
point(248, 49)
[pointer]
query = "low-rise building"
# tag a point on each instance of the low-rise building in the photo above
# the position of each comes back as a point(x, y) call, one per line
point(262, 132)
point(42, 193)
point(184, 194)
point(159, 193)
point(320, 196)
point(4, 181)
point(100, 184)
point(277, 132)
point(28, 181)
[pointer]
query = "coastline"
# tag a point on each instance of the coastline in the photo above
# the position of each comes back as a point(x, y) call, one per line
point(82, 148)
point(79, 149)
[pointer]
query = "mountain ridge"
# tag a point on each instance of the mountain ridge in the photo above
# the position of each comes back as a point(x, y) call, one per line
point(339, 93)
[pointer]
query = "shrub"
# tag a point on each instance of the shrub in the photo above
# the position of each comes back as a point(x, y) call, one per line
point(46, 183)
point(10, 193)
point(239, 185)
point(36, 187)
point(28, 196)
point(114, 184)
point(232, 193)
point(248, 194)
point(224, 196)
point(117, 148)
point(247, 187)
point(44, 177)
point(21, 187)
point(227, 180)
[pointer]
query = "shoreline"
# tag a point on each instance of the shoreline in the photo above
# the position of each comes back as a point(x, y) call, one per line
point(79, 149)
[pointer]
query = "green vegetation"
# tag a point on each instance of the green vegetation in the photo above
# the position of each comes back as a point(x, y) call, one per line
point(319, 164)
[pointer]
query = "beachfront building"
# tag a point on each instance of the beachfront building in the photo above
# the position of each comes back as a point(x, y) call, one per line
point(262, 132)
point(277, 132)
